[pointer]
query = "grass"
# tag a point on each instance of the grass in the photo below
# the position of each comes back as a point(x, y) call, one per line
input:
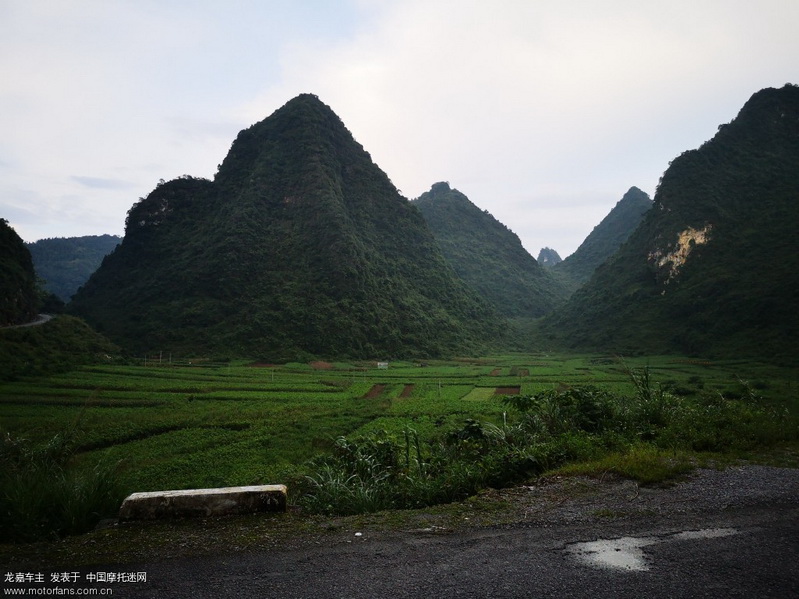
point(192, 426)
point(645, 464)
point(45, 495)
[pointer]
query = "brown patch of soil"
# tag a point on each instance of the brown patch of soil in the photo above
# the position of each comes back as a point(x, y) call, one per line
point(496, 372)
point(321, 365)
point(375, 391)
point(407, 390)
point(507, 390)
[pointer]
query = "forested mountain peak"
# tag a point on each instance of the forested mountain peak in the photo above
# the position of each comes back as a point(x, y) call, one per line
point(303, 128)
point(605, 238)
point(444, 200)
point(300, 246)
point(713, 267)
point(548, 257)
point(487, 255)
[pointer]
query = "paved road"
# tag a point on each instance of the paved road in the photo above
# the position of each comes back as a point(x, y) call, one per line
point(752, 552)
point(40, 319)
point(720, 535)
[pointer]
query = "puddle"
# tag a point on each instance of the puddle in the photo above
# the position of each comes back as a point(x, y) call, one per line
point(627, 553)
point(624, 554)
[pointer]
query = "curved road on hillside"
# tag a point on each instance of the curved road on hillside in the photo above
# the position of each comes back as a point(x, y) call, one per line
point(40, 319)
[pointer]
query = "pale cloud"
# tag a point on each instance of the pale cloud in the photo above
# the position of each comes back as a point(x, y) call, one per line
point(100, 183)
point(542, 113)
point(503, 98)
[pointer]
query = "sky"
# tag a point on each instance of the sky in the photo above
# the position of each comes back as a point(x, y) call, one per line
point(544, 113)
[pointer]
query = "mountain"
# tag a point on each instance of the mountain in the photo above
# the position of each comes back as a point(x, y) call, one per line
point(605, 238)
point(300, 246)
point(66, 263)
point(713, 268)
point(548, 258)
point(18, 294)
point(487, 255)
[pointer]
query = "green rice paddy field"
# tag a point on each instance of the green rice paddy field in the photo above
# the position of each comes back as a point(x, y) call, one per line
point(199, 425)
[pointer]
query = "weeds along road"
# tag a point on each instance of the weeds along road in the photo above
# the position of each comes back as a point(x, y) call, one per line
point(731, 533)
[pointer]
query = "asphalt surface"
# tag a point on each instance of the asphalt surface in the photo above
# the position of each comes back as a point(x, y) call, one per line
point(759, 559)
point(722, 534)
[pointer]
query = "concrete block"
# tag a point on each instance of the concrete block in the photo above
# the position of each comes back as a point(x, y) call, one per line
point(203, 502)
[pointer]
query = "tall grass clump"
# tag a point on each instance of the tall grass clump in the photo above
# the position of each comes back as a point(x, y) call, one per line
point(44, 494)
point(379, 472)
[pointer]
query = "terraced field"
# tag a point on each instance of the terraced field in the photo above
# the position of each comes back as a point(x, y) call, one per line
point(204, 425)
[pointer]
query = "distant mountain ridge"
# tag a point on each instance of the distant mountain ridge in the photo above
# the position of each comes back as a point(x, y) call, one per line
point(606, 238)
point(301, 246)
point(487, 255)
point(713, 268)
point(66, 263)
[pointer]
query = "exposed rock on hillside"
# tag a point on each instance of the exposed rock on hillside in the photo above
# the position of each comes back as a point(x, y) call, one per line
point(713, 268)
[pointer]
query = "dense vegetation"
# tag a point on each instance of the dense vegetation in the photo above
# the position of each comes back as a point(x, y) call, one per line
point(487, 255)
point(301, 246)
point(605, 239)
point(65, 263)
point(44, 496)
point(713, 268)
point(55, 346)
point(19, 298)
point(349, 436)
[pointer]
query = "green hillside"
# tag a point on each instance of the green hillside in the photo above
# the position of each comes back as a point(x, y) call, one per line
point(61, 344)
point(66, 263)
point(301, 246)
point(487, 255)
point(18, 294)
point(605, 238)
point(713, 268)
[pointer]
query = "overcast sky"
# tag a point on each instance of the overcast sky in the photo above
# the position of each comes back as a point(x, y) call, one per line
point(542, 113)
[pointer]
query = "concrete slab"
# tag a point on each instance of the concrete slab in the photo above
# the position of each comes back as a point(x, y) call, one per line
point(203, 502)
